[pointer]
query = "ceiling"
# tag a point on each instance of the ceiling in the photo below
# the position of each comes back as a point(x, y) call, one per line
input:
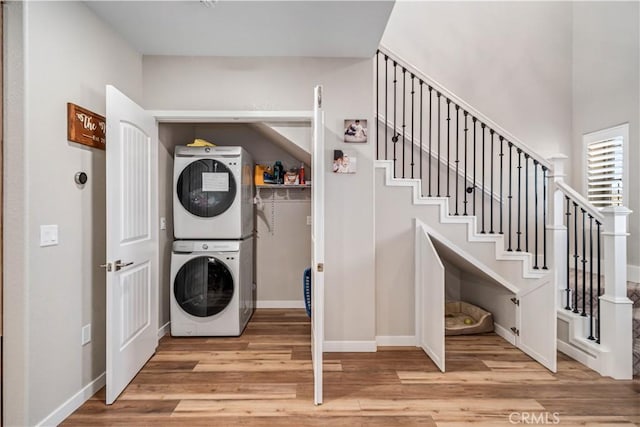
point(325, 28)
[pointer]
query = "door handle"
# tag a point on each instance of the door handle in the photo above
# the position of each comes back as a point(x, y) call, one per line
point(107, 266)
point(118, 265)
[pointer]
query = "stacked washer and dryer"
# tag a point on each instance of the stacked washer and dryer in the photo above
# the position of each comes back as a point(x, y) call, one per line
point(212, 277)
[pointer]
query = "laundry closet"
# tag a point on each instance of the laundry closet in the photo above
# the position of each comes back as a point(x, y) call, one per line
point(281, 244)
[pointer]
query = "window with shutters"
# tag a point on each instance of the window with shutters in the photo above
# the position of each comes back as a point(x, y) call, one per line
point(605, 167)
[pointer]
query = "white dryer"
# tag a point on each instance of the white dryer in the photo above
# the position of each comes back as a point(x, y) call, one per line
point(212, 287)
point(213, 193)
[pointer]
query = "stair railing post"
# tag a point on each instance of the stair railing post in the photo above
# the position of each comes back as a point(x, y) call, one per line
point(616, 308)
point(556, 229)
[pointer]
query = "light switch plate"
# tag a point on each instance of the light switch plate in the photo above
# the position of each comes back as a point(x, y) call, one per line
point(48, 235)
point(86, 334)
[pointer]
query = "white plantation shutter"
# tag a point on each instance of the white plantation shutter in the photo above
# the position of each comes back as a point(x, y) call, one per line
point(605, 172)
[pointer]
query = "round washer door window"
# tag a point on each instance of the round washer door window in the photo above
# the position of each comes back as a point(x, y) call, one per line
point(206, 188)
point(203, 286)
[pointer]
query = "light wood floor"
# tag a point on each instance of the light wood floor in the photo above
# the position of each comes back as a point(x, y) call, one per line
point(264, 378)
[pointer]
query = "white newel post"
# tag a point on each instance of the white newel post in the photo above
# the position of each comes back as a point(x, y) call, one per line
point(616, 309)
point(556, 230)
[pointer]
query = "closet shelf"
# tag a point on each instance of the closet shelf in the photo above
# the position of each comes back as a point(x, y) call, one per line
point(303, 186)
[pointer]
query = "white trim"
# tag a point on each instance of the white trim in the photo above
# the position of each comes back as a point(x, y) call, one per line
point(579, 355)
point(74, 402)
point(280, 304)
point(396, 340)
point(204, 116)
point(618, 131)
point(581, 200)
point(488, 270)
point(350, 346)
point(505, 333)
point(164, 329)
point(633, 273)
point(473, 235)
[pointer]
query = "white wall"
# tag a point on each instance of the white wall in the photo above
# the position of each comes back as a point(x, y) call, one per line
point(509, 60)
point(205, 83)
point(169, 136)
point(606, 92)
point(71, 61)
point(15, 368)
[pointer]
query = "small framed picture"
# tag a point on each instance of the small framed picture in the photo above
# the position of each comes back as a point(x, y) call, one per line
point(355, 130)
point(344, 161)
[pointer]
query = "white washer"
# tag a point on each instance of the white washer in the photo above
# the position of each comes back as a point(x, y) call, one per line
point(212, 290)
point(212, 193)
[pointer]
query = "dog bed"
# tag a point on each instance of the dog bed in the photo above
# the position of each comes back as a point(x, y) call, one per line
point(462, 318)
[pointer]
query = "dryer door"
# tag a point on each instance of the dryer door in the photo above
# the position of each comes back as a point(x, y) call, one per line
point(203, 286)
point(206, 188)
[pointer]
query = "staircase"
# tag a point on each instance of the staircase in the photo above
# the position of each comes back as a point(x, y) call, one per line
point(494, 206)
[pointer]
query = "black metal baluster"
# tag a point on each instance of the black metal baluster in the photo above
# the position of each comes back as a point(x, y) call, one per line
point(598, 278)
point(404, 115)
point(591, 337)
point(584, 264)
point(430, 93)
point(482, 125)
point(377, 102)
point(510, 196)
point(394, 139)
point(519, 233)
point(386, 108)
point(575, 257)
point(448, 145)
point(491, 185)
point(457, 155)
point(568, 222)
point(501, 179)
point(526, 202)
point(421, 135)
point(544, 218)
point(439, 151)
point(535, 212)
point(466, 130)
point(413, 135)
point(473, 187)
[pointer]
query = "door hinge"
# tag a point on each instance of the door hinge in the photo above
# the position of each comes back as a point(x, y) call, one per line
point(516, 301)
point(516, 331)
point(320, 267)
point(319, 100)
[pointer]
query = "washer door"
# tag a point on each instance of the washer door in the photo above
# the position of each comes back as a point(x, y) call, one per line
point(206, 188)
point(203, 286)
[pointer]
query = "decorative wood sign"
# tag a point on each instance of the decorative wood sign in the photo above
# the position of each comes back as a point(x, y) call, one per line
point(85, 127)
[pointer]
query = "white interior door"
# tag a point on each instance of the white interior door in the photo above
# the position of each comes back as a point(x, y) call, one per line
point(537, 329)
point(429, 298)
point(132, 240)
point(317, 243)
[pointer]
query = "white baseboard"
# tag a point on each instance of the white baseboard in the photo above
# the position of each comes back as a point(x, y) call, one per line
point(505, 333)
point(74, 402)
point(578, 355)
point(164, 330)
point(396, 340)
point(350, 346)
point(280, 304)
point(633, 273)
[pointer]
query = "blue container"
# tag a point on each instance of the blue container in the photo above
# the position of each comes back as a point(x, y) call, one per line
point(306, 285)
